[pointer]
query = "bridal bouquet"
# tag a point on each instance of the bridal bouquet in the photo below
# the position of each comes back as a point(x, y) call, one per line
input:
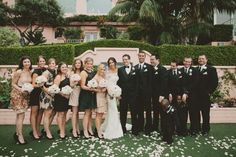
point(54, 89)
point(27, 87)
point(40, 80)
point(103, 83)
point(75, 77)
point(114, 90)
point(66, 90)
point(92, 84)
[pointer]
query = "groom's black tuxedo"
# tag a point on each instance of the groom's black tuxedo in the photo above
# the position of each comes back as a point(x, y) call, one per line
point(144, 93)
point(128, 84)
point(207, 83)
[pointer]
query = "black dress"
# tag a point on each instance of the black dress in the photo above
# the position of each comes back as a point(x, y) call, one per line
point(61, 104)
point(34, 95)
point(87, 99)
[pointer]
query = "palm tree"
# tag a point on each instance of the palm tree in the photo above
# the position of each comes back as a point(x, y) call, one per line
point(173, 21)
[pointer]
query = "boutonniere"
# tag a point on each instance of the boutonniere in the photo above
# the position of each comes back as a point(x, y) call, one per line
point(205, 73)
point(204, 68)
point(190, 74)
point(190, 70)
point(155, 67)
point(180, 76)
point(145, 70)
point(144, 66)
point(156, 73)
point(133, 68)
point(133, 73)
point(179, 72)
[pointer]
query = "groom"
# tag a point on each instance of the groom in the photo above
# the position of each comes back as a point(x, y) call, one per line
point(127, 82)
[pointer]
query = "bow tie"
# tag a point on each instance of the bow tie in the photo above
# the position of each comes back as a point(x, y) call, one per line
point(126, 66)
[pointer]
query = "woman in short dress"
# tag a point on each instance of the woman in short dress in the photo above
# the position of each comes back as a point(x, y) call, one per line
point(77, 67)
point(46, 99)
point(87, 98)
point(61, 101)
point(19, 98)
point(36, 114)
point(101, 99)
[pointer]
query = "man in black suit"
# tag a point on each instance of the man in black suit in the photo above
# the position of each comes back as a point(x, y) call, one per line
point(127, 82)
point(159, 89)
point(189, 83)
point(208, 82)
point(144, 92)
point(175, 96)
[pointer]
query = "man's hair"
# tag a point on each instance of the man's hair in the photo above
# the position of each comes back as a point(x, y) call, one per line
point(203, 55)
point(126, 55)
point(174, 61)
point(157, 56)
point(165, 103)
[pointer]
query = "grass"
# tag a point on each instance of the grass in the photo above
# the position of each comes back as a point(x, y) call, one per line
point(221, 142)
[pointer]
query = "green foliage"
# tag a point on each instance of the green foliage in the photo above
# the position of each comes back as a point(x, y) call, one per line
point(123, 36)
point(220, 55)
point(222, 33)
point(135, 32)
point(35, 15)
point(91, 18)
point(5, 90)
point(11, 55)
point(36, 37)
point(108, 32)
point(8, 37)
point(72, 33)
point(79, 49)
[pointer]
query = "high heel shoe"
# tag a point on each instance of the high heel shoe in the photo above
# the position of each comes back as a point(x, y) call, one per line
point(18, 141)
point(90, 133)
point(32, 135)
point(49, 138)
point(43, 132)
point(15, 137)
point(62, 138)
point(87, 137)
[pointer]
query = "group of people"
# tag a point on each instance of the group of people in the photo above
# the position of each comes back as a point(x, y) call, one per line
point(147, 89)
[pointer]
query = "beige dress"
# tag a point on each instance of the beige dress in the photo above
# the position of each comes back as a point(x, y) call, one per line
point(101, 99)
point(74, 96)
point(20, 101)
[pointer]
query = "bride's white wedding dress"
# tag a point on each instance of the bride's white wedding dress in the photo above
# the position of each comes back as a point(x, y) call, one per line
point(111, 127)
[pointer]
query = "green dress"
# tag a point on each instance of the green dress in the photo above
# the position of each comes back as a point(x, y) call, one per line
point(87, 99)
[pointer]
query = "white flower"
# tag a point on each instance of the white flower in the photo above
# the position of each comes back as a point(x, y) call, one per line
point(133, 68)
point(27, 87)
point(92, 84)
point(144, 66)
point(40, 80)
point(190, 70)
point(145, 70)
point(75, 77)
point(179, 72)
point(114, 90)
point(103, 83)
point(54, 89)
point(66, 90)
point(155, 67)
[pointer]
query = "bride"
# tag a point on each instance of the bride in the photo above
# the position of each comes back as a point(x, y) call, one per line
point(111, 126)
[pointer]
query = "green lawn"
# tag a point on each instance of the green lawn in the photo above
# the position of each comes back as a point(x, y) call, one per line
point(221, 142)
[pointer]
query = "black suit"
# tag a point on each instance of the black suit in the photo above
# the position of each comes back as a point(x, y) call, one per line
point(144, 93)
point(174, 88)
point(189, 83)
point(128, 84)
point(159, 89)
point(208, 82)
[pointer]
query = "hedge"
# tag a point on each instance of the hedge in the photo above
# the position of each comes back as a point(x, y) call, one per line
point(79, 49)
point(220, 55)
point(217, 55)
point(11, 55)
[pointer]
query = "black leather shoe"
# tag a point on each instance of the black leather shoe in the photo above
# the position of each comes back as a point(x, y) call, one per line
point(32, 135)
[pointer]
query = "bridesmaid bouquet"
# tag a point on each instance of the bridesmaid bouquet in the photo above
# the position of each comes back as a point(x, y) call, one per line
point(114, 91)
point(66, 90)
point(103, 83)
point(40, 80)
point(54, 89)
point(27, 87)
point(92, 84)
point(75, 77)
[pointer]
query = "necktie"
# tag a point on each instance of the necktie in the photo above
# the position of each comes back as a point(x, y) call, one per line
point(126, 66)
point(174, 72)
point(186, 70)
